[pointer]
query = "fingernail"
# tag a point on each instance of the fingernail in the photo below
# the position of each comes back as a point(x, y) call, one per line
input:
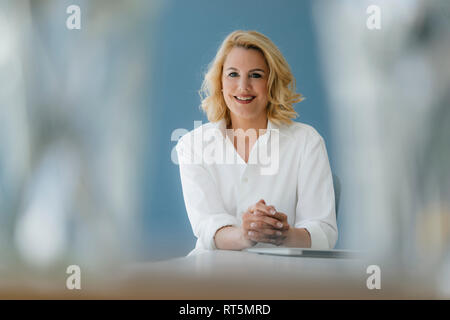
point(278, 233)
point(252, 224)
point(250, 233)
point(280, 225)
point(273, 211)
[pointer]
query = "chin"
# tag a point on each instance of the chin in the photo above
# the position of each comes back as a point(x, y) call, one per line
point(246, 115)
point(246, 112)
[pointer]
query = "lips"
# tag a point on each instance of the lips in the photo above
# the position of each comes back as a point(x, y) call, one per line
point(244, 99)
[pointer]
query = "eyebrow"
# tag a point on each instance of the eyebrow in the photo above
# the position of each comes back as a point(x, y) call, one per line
point(257, 69)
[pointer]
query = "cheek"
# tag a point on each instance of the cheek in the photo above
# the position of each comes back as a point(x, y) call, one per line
point(260, 87)
point(227, 86)
point(226, 93)
point(262, 93)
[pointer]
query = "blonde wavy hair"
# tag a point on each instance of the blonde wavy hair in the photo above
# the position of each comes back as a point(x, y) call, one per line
point(280, 84)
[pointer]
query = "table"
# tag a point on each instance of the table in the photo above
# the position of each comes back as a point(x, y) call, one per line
point(229, 275)
point(224, 274)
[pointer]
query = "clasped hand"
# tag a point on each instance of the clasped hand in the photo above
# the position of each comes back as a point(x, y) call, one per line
point(262, 223)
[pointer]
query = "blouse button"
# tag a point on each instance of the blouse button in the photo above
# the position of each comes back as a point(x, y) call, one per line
point(245, 180)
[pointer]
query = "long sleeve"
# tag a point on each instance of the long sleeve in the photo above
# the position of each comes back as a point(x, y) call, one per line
point(202, 198)
point(315, 209)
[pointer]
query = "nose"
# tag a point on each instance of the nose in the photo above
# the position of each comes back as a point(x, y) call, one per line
point(244, 84)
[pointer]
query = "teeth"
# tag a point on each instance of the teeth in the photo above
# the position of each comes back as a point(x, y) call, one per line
point(244, 98)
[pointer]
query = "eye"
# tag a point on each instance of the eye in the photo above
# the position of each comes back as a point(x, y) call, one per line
point(255, 75)
point(233, 74)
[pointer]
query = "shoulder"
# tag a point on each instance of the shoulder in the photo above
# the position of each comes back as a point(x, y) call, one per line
point(301, 132)
point(195, 136)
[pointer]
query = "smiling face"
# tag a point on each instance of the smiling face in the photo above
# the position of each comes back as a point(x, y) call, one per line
point(244, 84)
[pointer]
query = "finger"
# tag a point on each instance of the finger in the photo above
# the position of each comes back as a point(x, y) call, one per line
point(267, 234)
point(280, 216)
point(261, 217)
point(270, 210)
point(261, 237)
point(277, 215)
point(275, 239)
point(247, 216)
point(256, 236)
point(271, 233)
point(259, 225)
point(260, 212)
point(252, 224)
point(252, 207)
point(269, 221)
point(246, 236)
point(283, 219)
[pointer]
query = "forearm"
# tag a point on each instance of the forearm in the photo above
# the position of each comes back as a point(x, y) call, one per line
point(231, 238)
point(298, 238)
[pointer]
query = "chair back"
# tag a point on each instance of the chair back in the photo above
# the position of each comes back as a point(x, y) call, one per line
point(337, 192)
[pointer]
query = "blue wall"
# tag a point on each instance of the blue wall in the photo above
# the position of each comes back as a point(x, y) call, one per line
point(187, 38)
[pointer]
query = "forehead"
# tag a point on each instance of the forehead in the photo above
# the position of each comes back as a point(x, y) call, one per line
point(242, 58)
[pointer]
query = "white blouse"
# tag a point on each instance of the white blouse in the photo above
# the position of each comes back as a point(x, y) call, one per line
point(288, 167)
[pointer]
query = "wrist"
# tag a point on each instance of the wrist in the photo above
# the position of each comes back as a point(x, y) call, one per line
point(232, 238)
point(289, 237)
point(297, 237)
point(244, 240)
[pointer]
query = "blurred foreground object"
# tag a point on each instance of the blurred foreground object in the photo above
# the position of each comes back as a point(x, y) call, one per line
point(390, 104)
point(71, 126)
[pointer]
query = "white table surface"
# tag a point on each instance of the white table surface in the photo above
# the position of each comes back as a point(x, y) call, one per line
point(222, 274)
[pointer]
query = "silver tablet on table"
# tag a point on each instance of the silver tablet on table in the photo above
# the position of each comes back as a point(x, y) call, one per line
point(303, 252)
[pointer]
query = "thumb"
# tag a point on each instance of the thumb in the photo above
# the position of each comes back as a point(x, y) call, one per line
point(262, 200)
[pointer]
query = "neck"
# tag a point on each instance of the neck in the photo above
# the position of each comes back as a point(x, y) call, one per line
point(258, 124)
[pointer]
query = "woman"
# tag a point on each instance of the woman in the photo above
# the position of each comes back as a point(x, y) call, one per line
point(248, 96)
